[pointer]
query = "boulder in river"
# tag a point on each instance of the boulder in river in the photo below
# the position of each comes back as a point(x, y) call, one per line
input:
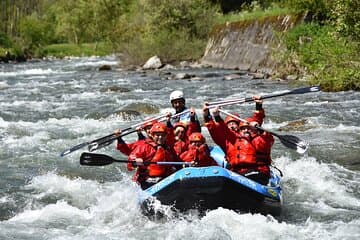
point(114, 89)
point(232, 77)
point(145, 108)
point(298, 125)
point(126, 114)
point(153, 63)
point(105, 68)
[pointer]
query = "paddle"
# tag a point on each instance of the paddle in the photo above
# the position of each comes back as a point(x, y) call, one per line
point(289, 141)
point(108, 139)
point(95, 159)
point(275, 94)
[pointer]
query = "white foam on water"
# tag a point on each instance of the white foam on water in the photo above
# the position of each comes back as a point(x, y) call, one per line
point(97, 63)
point(60, 211)
point(338, 128)
point(3, 85)
point(34, 71)
point(6, 199)
point(40, 106)
point(97, 208)
point(94, 61)
point(80, 191)
point(269, 124)
point(319, 186)
point(81, 96)
point(328, 103)
point(93, 210)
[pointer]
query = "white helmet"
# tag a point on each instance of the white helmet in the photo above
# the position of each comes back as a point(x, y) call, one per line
point(177, 94)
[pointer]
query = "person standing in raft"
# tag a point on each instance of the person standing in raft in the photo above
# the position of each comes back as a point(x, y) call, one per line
point(177, 100)
point(153, 150)
point(198, 152)
point(247, 152)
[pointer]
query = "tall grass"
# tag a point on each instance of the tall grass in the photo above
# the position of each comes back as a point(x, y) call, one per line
point(69, 49)
point(255, 13)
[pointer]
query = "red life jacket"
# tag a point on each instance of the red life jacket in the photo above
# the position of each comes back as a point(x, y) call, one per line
point(252, 154)
point(150, 152)
point(241, 153)
point(179, 147)
point(199, 155)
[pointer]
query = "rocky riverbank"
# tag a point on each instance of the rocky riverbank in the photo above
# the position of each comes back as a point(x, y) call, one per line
point(249, 45)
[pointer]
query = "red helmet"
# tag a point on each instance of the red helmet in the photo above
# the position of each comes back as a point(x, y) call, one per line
point(158, 127)
point(180, 124)
point(247, 123)
point(232, 119)
point(149, 123)
point(197, 137)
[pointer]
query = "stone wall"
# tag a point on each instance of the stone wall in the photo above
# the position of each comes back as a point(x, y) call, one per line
point(248, 45)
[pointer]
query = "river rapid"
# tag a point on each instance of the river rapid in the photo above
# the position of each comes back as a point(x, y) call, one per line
point(49, 106)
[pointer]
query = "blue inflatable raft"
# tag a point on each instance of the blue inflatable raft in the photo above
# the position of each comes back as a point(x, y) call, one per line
point(208, 188)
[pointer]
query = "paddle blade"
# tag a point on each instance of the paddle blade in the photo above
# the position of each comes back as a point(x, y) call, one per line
point(305, 90)
point(294, 143)
point(94, 159)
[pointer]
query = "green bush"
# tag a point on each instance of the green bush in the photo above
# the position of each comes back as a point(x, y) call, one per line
point(346, 14)
point(173, 30)
point(5, 40)
point(319, 9)
point(34, 32)
point(330, 60)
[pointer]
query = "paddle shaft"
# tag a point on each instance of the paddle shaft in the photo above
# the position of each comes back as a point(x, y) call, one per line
point(103, 142)
point(108, 139)
point(289, 141)
point(96, 159)
point(250, 99)
point(157, 163)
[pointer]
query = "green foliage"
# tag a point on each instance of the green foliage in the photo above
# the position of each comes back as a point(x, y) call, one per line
point(84, 21)
point(5, 40)
point(346, 14)
point(34, 32)
point(252, 14)
point(172, 30)
point(195, 16)
point(330, 60)
point(320, 9)
point(168, 45)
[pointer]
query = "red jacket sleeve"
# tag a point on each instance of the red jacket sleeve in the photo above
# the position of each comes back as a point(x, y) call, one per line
point(263, 144)
point(126, 148)
point(259, 116)
point(170, 138)
point(194, 127)
point(141, 150)
point(216, 132)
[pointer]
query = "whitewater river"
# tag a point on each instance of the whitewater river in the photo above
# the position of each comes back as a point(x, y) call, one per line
point(49, 106)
